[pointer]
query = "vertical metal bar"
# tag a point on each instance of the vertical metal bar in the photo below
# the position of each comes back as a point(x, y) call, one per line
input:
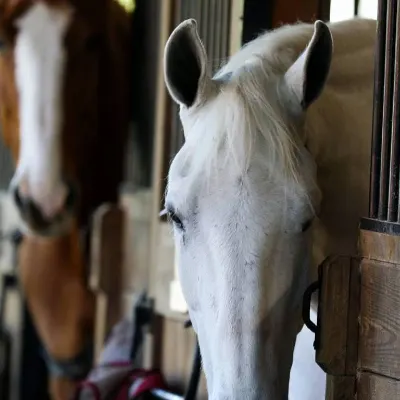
point(184, 8)
point(217, 35)
point(394, 210)
point(387, 110)
point(356, 7)
point(377, 111)
point(204, 22)
point(176, 139)
point(198, 9)
point(211, 34)
point(225, 18)
point(324, 10)
point(396, 110)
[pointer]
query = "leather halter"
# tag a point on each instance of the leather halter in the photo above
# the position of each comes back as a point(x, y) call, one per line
point(75, 368)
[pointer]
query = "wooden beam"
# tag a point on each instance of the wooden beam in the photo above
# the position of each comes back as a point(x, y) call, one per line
point(373, 387)
point(380, 318)
point(337, 320)
point(379, 349)
point(106, 275)
point(340, 387)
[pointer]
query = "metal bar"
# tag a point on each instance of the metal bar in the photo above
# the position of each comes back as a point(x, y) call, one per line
point(356, 7)
point(324, 10)
point(176, 134)
point(396, 111)
point(377, 111)
point(394, 210)
point(204, 22)
point(217, 35)
point(387, 110)
point(225, 18)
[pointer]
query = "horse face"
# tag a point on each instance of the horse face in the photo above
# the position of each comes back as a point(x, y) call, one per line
point(242, 194)
point(48, 103)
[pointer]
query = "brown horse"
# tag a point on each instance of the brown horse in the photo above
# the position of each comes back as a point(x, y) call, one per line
point(64, 113)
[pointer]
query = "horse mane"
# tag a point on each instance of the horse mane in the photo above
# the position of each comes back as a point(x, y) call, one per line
point(248, 105)
point(105, 170)
point(243, 110)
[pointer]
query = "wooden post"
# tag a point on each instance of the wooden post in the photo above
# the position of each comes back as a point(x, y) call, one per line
point(379, 340)
point(336, 340)
point(378, 375)
point(107, 270)
point(358, 341)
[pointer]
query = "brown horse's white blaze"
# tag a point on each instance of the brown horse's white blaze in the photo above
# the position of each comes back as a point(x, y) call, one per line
point(40, 192)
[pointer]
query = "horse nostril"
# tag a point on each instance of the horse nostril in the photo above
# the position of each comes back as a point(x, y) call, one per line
point(71, 197)
point(35, 215)
point(17, 198)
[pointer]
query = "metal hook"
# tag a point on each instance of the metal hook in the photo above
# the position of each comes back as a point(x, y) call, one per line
point(307, 305)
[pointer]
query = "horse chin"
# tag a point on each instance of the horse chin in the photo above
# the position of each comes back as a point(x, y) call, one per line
point(56, 228)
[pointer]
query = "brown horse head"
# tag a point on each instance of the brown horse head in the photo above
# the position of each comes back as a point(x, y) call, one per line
point(63, 107)
point(64, 113)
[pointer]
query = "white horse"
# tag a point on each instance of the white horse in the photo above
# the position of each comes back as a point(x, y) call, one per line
point(272, 178)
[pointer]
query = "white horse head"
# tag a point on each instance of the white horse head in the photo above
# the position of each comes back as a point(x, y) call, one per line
point(242, 195)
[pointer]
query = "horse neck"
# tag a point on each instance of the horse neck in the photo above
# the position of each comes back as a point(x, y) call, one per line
point(338, 130)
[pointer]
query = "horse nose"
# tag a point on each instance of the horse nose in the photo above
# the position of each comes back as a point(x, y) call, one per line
point(40, 215)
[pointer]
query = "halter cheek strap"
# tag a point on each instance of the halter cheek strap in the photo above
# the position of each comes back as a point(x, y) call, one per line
point(75, 368)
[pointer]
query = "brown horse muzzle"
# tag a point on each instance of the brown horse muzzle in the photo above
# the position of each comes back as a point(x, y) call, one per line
point(37, 221)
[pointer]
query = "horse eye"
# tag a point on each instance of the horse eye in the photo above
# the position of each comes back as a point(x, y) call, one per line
point(306, 225)
point(176, 220)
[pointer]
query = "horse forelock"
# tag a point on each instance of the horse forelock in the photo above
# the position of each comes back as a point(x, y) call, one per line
point(243, 115)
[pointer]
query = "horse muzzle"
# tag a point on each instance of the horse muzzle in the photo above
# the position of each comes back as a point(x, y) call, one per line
point(46, 216)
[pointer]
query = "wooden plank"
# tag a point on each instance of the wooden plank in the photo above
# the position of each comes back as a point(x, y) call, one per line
point(352, 317)
point(106, 277)
point(379, 349)
point(373, 387)
point(334, 337)
point(379, 246)
point(178, 346)
point(340, 387)
point(164, 18)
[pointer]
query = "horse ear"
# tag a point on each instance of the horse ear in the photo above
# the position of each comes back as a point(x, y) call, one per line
point(185, 64)
point(307, 76)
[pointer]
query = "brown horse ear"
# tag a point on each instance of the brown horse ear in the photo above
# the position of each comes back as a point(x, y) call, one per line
point(185, 64)
point(306, 78)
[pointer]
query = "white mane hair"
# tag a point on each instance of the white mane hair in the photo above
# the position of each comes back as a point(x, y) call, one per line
point(242, 111)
